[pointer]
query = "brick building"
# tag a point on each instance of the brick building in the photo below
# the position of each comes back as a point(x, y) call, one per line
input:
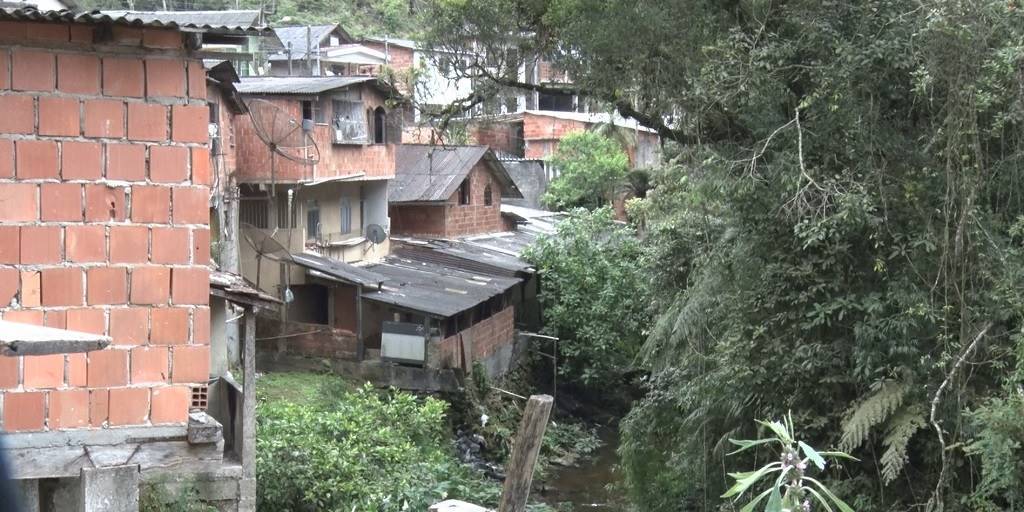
point(104, 229)
point(448, 192)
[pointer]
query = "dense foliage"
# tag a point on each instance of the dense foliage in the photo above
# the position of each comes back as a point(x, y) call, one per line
point(593, 291)
point(591, 170)
point(324, 447)
point(839, 231)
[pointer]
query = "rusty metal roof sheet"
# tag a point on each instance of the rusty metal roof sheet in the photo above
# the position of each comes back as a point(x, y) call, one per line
point(338, 269)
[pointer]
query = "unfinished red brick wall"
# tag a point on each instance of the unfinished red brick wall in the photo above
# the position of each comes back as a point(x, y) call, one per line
point(376, 160)
point(499, 136)
point(488, 336)
point(307, 340)
point(451, 219)
point(104, 189)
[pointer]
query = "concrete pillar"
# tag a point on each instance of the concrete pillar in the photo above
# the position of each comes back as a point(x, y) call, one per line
point(28, 494)
point(113, 489)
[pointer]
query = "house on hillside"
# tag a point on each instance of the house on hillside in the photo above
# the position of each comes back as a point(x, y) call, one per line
point(448, 191)
point(323, 50)
point(104, 265)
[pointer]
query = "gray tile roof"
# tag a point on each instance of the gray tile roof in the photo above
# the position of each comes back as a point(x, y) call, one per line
point(425, 173)
point(221, 19)
point(298, 84)
point(337, 269)
point(212, 25)
point(297, 37)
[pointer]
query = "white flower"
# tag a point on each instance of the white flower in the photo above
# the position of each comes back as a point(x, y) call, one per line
point(483, 419)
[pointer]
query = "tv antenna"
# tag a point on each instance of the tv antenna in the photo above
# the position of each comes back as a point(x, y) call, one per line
point(265, 246)
point(375, 233)
point(284, 136)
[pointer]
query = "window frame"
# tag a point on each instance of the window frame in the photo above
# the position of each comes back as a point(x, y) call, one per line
point(465, 193)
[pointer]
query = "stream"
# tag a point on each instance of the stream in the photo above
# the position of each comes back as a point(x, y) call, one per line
point(584, 486)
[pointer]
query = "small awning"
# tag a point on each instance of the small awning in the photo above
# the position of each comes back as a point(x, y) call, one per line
point(338, 270)
point(17, 339)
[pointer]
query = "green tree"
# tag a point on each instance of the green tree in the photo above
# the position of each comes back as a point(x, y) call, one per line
point(592, 294)
point(835, 235)
point(591, 169)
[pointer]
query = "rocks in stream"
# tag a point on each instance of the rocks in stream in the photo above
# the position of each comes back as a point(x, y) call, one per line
point(469, 448)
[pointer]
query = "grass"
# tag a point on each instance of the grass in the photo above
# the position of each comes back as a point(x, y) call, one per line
point(302, 388)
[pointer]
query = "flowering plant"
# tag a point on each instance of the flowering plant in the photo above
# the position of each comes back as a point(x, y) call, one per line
point(793, 489)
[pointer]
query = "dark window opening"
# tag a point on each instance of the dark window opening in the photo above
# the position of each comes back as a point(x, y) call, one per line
point(307, 110)
point(488, 201)
point(556, 101)
point(312, 220)
point(464, 192)
point(379, 121)
point(346, 215)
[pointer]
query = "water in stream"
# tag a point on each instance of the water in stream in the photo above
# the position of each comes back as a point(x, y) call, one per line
point(585, 485)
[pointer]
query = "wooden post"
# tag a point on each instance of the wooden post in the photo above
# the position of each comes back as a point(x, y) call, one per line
point(519, 472)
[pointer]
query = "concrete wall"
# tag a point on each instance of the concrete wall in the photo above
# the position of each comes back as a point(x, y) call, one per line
point(104, 190)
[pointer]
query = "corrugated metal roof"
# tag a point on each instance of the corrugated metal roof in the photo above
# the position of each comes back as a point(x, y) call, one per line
point(298, 84)
point(461, 255)
point(425, 173)
point(434, 289)
point(234, 287)
point(338, 269)
point(297, 37)
point(233, 18)
point(594, 118)
point(118, 18)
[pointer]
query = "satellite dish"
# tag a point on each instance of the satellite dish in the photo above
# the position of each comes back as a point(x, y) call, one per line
point(264, 245)
point(375, 233)
point(283, 134)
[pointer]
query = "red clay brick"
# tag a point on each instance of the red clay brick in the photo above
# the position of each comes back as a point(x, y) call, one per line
point(191, 205)
point(150, 204)
point(85, 244)
point(129, 406)
point(78, 74)
point(165, 78)
point(168, 164)
point(5, 66)
point(149, 364)
point(90, 320)
point(81, 34)
point(129, 244)
point(126, 36)
point(170, 245)
point(57, 32)
point(60, 201)
point(201, 167)
point(99, 407)
point(37, 159)
point(155, 38)
point(9, 284)
point(201, 326)
point(6, 158)
point(30, 290)
point(69, 409)
point(61, 286)
point(77, 370)
point(147, 122)
point(9, 370)
point(13, 31)
point(10, 244)
point(19, 114)
point(108, 367)
point(150, 285)
point(190, 364)
point(126, 162)
point(56, 318)
point(18, 202)
point(129, 326)
point(33, 70)
point(190, 123)
point(104, 118)
point(190, 285)
point(104, 203)
point(59, 116)
point(200, 246)
point(123, 77)
point(196, 80)
point(43, 371)
point(170, 326)
point(170, 404)
point(24, 412)
point(24, 316)
point(107, 285)
point(40, 244)
point(81, 160)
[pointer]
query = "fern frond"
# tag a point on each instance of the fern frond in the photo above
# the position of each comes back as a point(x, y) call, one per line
point(872, 411)
point(898, 432)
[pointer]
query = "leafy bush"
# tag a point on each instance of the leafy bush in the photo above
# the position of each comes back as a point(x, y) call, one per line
point(358, 450)
point(591, 167)
point(156, 498)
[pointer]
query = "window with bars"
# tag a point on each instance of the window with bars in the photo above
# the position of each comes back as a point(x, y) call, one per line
point(286, 217)
point(253, 211)
point(312, 220)
point(346, 215)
